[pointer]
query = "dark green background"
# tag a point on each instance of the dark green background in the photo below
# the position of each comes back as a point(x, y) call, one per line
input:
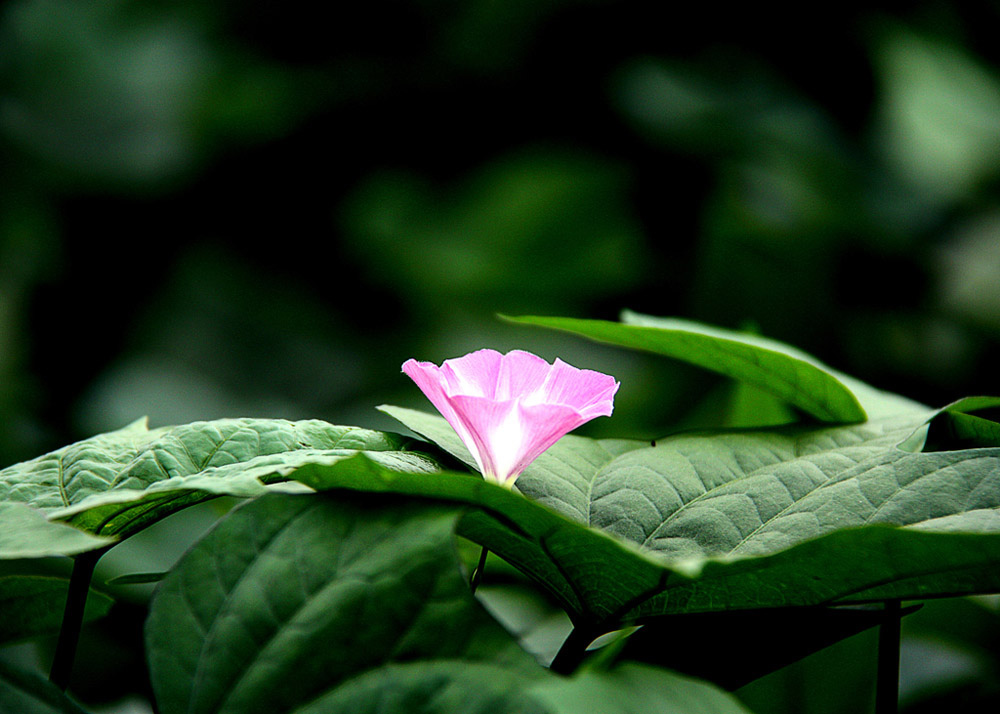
point(263, 208)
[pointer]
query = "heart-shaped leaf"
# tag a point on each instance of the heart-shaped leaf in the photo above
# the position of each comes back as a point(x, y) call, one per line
point(320, 605)
point(341, 598)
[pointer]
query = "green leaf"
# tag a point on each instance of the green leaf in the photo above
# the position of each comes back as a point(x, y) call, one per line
point(635, 689)
point(449, 686)
point(26, 533)
point(779, 369)
point(561, 477)
point(27, 693)
point(323, 605)
point(33, 605)
point(136, 579)
point(750, 406)
point(308, 604)
point(433, 428)
point(711, 494)
point(115, 484)
point(788, 516)
point(969, 423)
point(522, 531)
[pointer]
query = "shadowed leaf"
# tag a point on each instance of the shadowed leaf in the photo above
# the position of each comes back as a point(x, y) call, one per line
point(33, 605)
point(28, 693)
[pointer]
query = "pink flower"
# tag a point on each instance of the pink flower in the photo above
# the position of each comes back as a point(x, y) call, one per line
point(508, 409)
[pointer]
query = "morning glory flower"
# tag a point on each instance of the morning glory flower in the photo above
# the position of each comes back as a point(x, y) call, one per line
point(509, 408)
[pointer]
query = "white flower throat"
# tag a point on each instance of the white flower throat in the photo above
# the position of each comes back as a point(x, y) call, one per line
point(506, 442)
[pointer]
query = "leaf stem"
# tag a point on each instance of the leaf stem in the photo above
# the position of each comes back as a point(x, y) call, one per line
point(573, 649)
point(477, 574)
point(887, 685)
point(76, 603)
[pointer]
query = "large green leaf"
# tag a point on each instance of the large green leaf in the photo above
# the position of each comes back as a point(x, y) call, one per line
point(33, 605)
point(780, 369)
point(786, 516)
point(117, 483)
point(305, 603)
point(26, 533)
point(28, 693)
point(316, 605)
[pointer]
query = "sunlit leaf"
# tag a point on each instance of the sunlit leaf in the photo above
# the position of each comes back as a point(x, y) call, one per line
point(789, 374)
point(117, 483)
point(26, 533)
point(789, 516)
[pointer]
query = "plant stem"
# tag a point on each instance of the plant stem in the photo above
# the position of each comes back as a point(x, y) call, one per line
point(571, 654)
point(477, 574)
point(76, 602)
point(887, 686)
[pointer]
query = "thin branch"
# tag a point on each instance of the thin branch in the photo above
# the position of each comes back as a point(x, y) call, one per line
point(477, 574)
point(76, 603)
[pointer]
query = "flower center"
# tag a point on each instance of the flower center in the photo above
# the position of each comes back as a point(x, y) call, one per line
point(506, 440)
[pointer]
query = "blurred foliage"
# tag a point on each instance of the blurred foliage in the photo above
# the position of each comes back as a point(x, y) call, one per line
point(949, 658)
point(260, 208)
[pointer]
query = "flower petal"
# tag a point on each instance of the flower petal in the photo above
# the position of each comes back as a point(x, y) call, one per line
point(475, 374)
point(582, 389)
point(498, 433)
point(546, 424)
point(432, 381)
point(511, 434)
point(521, 373)
point(508, 409)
